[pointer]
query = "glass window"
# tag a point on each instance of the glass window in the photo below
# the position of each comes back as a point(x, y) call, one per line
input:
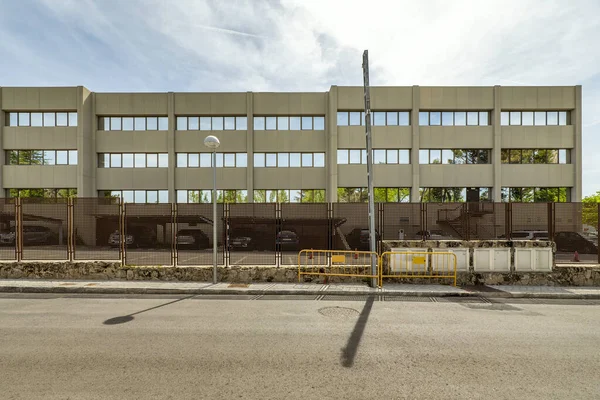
point(307, 123)
point(504, 118)
point(423, 118)
point(127, 196)
point(378, 156)
point(193, 196)
point(562, 156)
point(472, 118)
point(392, 118)
point(139, 160)
point(404, 118)
point(551, 156)
point(562, 118)
point(515, 118)
point(104, 160)
point(205, 160)
point(152, 196)
point(342, 156)
point(295, 196)
point(115, 160)
point(36, 119)
point(283, 160)
point(515, 156)
point(378, 118)
point(319, 160)
point(62, 119)
point(540, 118)
point(307, 159)
point(127, 160)
point(447, 156)
point(13, 119)
point(193, 160)
point(72, 157)
point(319, 123)
point(23, 119)
point(527, 118)
point(140, 196)
point(219, 160)
point(271, 123)
point(435, 118)
point(552, 118)
point(504, 156)
point(163, 196)
point(140, 124)
point(115, 123)
point(294, 123)
point(152, 123)
point(423, 156)
point(229, 123)
point(447, 118)
point(127, 123)
point(259, 160)
point(205, 124)
point(295, 160)
point(163, 160)
point(241, 160)
point(283, 123)
point(354, 156)
point(271, 160)
point(484, 118)
point(217, 123)
point(182, 196)
point(435, 156)
point(362, 118)
point(392, 156)
point(241, 123)
point(182, 159)
point(484, 157)
point(363, 156)
point(229, 160)
point(193, 123)
point(163, 123)
point(355, 118)
point(259, 123)
point(152, 160)
point(342, 118)
point(62, 157)
point(527, 156)
point(460, 118)
point(50, 119)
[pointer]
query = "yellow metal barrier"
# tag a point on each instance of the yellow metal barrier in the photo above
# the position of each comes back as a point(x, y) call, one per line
point(417, 264)
point(337, 263)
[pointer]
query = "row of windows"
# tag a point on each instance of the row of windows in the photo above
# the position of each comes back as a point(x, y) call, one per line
point(204, 160)
point(534, 156)
point(378, 118)
point(133, 160)
point(133, 123)
point(454, 194)
point(290, 196)
point(212, 123)
point(534, 195)
point(48, 119)
point(529, 118)
point(291, 123)
point(137, 196)
point(454, 118)
point(41, 157)
point(284, 160)
point(380, 195)
point(454, 156)
point(380, 156)
point(42, 193)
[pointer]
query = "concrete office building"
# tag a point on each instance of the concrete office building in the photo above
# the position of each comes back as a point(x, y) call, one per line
point(431, 144)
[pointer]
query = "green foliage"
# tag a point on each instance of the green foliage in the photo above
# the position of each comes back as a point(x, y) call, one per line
point(590, 209)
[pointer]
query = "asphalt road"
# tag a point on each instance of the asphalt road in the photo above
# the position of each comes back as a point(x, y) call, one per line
point(169, 347)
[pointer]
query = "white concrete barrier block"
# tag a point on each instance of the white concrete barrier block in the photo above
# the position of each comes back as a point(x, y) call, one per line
point(462, 258)
point(533, 259)
point(491, 260)
point(403, 262)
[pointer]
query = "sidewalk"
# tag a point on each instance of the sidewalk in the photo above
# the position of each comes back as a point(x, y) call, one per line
point(199, 288)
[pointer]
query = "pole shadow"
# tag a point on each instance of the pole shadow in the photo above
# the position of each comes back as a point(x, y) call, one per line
point(130, 317)
point(349, 352)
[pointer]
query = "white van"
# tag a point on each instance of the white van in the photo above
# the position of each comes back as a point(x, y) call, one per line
point(529, 235)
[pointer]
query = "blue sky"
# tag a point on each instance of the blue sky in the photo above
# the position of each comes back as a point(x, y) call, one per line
point(306, 45)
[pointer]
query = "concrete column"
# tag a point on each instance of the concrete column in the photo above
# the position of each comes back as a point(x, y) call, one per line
point(332, 145)
point(87, 123)
point(2, 161)
point(250, 146)
point(577, 152)
point(171, 147)
point(414, 152)
point(497, 150)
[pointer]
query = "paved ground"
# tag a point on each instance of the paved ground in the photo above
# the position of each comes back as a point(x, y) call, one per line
point(172, 347)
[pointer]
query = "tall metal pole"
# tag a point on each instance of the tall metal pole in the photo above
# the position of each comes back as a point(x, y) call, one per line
point(372, 233)
point(214, 197)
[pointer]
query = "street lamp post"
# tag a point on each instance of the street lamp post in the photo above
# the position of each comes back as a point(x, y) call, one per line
point(212, 142)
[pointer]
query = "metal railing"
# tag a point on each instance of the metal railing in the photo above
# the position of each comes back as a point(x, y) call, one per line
point(337, 263)
point(417, 264)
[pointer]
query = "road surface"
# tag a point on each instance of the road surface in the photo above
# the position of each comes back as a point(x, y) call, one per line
point(173, 347)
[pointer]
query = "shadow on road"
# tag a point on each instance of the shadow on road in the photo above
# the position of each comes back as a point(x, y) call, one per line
point(349, 352)
point(127, 318)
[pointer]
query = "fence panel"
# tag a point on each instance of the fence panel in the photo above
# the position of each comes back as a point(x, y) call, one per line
point(417, 265)
point(401, 221)
point(343, 263)
point(445, 221)
point(350, 226)
point(252, 234)
point(530, 221)
point(575, 230)
point(486, 220)
point(96, 225)
point(194, 240)
point(45, 229)
point(8, 223)
point(303, 226)
point(148, 234)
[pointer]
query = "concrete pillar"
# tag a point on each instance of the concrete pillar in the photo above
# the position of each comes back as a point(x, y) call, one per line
point(497, 149)
point(2, 161)
point(414, 152)
point(332, 145)
point(577, 152)
point(250, 146)
point(171, 147)
point(87, 160)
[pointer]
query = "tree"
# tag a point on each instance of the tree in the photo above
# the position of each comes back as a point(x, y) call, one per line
point(590, 209)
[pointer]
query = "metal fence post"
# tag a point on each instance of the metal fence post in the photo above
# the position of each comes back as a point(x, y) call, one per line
point(18, 230)
point(551, 221)
point(174, 253)
point(70, 230)
point(122, 232)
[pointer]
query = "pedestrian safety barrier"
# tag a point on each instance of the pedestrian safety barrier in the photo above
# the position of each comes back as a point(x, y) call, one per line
point(417, 264)
point(338, 263)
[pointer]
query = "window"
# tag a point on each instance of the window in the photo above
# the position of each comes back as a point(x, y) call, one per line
point(515, 118)
point(62, 119)
point(295, 160)
point(355, 118)
point(13, 119)
point(307, 160)
point(283, 160)
point(379, 156)
point(271, 160)
point(139, 123)
point(392, 118)
point(484, 117)
point(127, 123)
point(241, 123)
point(259, 160)
point(182, 160)
point(217, 123)
point(259, 123)
point(447, 118)
point(537, 118)
point(472, 118)
point(552, 118)
point(319, 123)
point(562, 118)
point(36, 119)
point(342, 118)
point(307, 123)
point(454, 156)
point(229, 123)
point(205, 196)
point(294, 123)
point(533, 195)
point(133, 160)
point(42, 193)
point(41, 157)
point(527, 118)
point(535, 156)
point(378, 118)
point(355, 156)
point(139, 160)
point(115, 123)
point(115, 160)
point(182, 123)
point(283, 123)
point(138, 196)
point(404, 118)
point(504, 118)
point(205, 160)
point(72, 157)
point(163, 125)
point(127, 160)
point(342, 156)
point(23, 119)
point(205, 124)
point(193, 160)
point(152, 123)
point(271, 123)
point(241, 160)
point(319, 160)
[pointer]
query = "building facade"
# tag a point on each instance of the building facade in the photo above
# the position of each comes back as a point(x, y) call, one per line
point(438, 144)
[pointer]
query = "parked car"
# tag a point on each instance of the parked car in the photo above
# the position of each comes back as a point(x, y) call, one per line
point(287, 240)
point(137, 236)
point(358, 239)
point(192, 238)
point(241, 243)
point(32, 234)
point(573, 241)
point(529, 235)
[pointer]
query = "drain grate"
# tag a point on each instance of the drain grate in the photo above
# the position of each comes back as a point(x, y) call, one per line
point(288, 297)
point(333, 297)
point(420, 299)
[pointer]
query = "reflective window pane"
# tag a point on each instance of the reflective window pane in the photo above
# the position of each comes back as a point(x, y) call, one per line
point(295, 160)
point(484, 118)
point(392, 118)
point(163, 196)
point(217, 123)
point(460, 118)
point(36, 119)
point(515, 118)
point(13, 119)
point(72, 157)
point(307, 123)
point(259, 160)
point(259, 123)
point(229, 123)
point(23, 119)
point(404, 118)
point(127, 196)
point(307, 160)
point(152, 160)
point(423, 118)
point(294, 123)
point(363, 156)
point(447, 118)
point(115, 161)
point(229, 160)
point(527, 118)
point(435, 118)
point(241, 123)
point(552, 118)
point(342, 156)
point(115, 123)
point(163, 160)
point(152, 123)
point(355, 118)
point(152, 196)
point(271, 123)
point(447, 157)
point(241, 160)
point(392, 156)
point(205, 160)
point(127, 161)
point(104, 161)
point(342, 118)
point(182, 160)
point(182, 196)
point(423, 156)
point(205, 124)
point(140, 123)
point(472, 118)
point(140, 160)
point(378, 156)
point(319, 123)
point(271, 160)
point(193, 160)
point(355, 156)
point(562, 156)
point(283, 160)
point(193, 124)
point(62, 119)
point(319, 160)
point(562, 118)
point(127, 123)
point(435, 156)
point(62, 157)
point(378, 118)
point(540, 118)
point(219, 160)
point(504, 118)
point(283, 123)
point(163, 123)
point(140, 196)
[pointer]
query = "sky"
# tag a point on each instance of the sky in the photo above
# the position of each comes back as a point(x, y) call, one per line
point(306, 45)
